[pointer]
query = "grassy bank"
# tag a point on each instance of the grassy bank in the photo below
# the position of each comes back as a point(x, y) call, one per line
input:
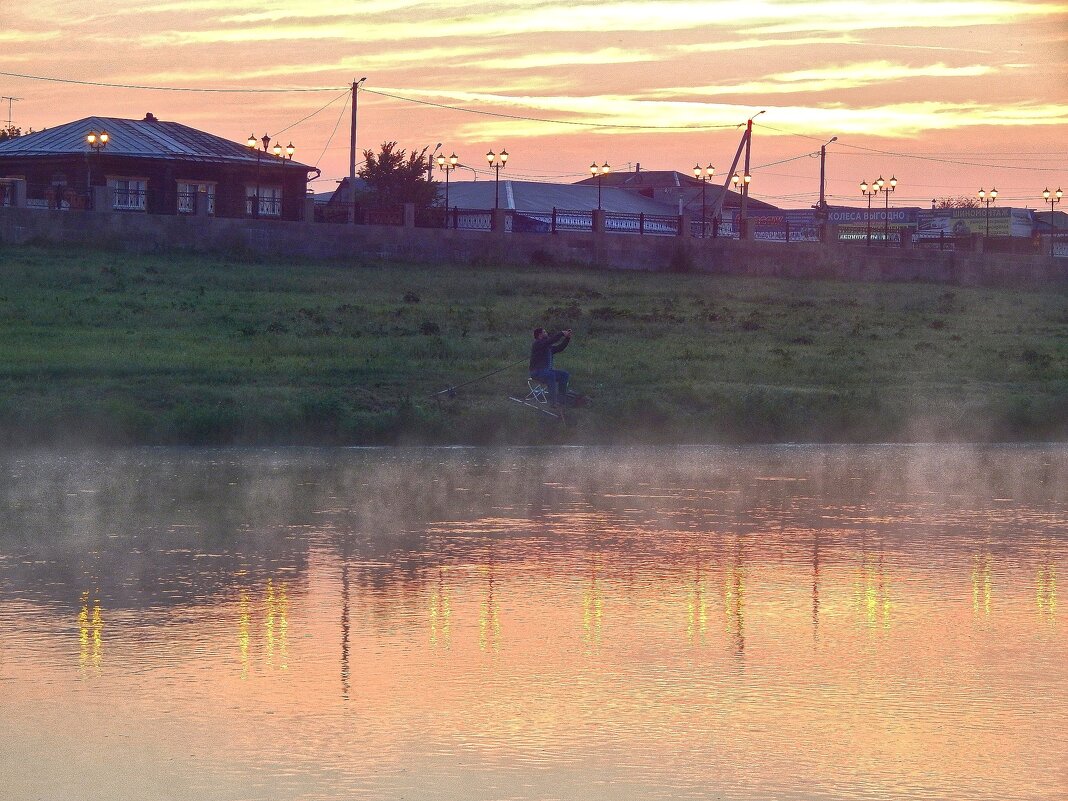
point(106, 347)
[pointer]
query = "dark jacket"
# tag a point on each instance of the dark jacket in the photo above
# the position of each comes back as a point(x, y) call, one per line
point(541, 352)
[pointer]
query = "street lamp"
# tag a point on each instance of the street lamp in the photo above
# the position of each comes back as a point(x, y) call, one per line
point(448, 164)
point(886, 188)
point(497, 162)
point(599, 173)
point(252, 142)
point(868, 191)
point(1052, 198)
point(277, 151)
point(986, 199)
point(704, 175)
point(97, 141)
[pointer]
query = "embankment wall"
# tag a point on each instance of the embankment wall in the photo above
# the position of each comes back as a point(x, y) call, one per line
point(369, 243)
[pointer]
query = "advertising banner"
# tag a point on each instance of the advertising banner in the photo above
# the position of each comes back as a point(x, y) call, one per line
point(965, 222)
point(774, 225)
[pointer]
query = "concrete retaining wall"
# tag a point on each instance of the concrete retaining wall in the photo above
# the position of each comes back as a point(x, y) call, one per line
point(368, 243)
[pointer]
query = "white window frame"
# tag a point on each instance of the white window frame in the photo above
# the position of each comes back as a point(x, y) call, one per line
point(270, 197)
point(124, 185)
point(189, 187)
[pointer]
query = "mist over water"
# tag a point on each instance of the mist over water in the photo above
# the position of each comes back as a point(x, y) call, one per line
point(858, 622)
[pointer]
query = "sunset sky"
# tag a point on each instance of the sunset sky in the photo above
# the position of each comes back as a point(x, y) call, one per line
point(947, 95)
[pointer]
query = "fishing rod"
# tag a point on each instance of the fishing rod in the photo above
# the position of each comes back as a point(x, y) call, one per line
point(451, 391)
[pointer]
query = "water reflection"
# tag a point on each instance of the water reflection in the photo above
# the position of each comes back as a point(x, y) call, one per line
point(784, 622)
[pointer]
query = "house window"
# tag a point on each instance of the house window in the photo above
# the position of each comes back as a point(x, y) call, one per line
point(129, 193)
point(187, 196)
point(270, 200)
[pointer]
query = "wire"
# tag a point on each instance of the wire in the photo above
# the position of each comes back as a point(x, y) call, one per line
point(941, 160)
point(543, 119)
point(344, 106)
point(305, 119)
point(163, 88)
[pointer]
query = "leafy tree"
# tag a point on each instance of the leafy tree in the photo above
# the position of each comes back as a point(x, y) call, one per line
point(10, 132)
point(394, 177)
point(958, 202)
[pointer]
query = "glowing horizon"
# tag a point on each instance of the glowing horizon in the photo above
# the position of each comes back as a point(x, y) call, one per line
point(626, 82)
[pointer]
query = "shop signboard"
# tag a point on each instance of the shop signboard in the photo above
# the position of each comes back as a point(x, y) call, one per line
point(1003, 221)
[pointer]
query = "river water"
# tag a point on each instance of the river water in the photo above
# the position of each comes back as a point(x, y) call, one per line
point(579, 623)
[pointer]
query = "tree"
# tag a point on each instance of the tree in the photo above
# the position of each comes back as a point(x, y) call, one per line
point(10, 132)
point(959, 202)
point(395, 177)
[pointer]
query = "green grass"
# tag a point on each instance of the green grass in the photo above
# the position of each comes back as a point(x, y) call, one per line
point(179, 348)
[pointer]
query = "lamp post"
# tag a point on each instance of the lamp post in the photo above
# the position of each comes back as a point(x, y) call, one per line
point(704, 175)
point(497, 162)
point(886, 188)
point(448, 164)
point(741, 185)
point(289, 151)
point(599, 173)
point(868, 191)
point(986, 199)
point(96, 141)
point(1052, 198)
point(252, 142)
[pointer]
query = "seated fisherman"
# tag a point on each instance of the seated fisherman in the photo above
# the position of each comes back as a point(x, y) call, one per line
point(541, 362)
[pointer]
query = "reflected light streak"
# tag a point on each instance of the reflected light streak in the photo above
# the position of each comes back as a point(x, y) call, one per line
point(1046, 590)
point(489, 623)
point(592, 610)
point(982, 583)
point(734, 601)
point(244, 624)
point(90, 634)
point(697, 608)
point(440, 610)
point(873, 598)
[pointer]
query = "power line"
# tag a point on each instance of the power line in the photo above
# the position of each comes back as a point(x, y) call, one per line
point(543, 119)
point(305, 119)
point(166, 88)
point(344, 106)
point(941, 160)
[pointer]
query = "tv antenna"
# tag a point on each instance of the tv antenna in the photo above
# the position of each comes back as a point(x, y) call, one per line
point(9, 100)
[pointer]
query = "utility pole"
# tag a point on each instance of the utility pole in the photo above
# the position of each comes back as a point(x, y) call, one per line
point(822, 212)
point(742, 215)
point(9, 100)
point(352, 147)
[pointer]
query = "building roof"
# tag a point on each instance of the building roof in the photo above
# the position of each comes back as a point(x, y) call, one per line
point(677, 185)
point(148, 138)
point(645, 179)
point(534, 196)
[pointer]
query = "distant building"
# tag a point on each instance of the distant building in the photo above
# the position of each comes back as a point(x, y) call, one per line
point(155, 167)
point(676, 189)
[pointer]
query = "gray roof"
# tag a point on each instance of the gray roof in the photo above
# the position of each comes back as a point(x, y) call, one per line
point(533, 196)
point(146, 138)
point(678, 185)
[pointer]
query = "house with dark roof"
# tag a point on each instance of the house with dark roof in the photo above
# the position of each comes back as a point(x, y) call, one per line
point(155, 167)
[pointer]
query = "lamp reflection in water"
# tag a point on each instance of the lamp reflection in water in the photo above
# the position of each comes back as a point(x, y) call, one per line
point(1046, 589)
point(440, 613)
point(592, 609)
point(90, 634)
point(276, 623)
point(275, 626)
point(734, 600)
point(697, 608)
point(872, 593)
point(982, 582)
point(489, 621)
point(244, 630)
